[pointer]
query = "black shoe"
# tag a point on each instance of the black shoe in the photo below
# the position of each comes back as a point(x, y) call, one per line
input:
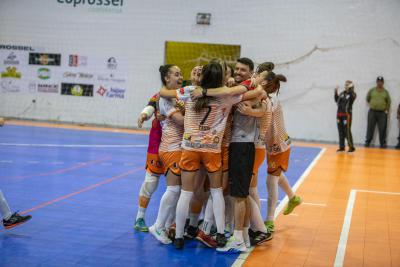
point(179, 243)
point(252, 234)
point(366, 145)
point(260, 238)
point(221, 240)
point(15, 220)
point(384, 146)
point(398, 146)
point(191, 232)
point(340, 150)
point(351, 150)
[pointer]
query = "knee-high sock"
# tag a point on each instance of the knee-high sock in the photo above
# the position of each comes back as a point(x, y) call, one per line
point(182, 211)
point(284, 184)
point(229, 212)
point(4, 208)
point(254, 194)
point(208, 216)
point(256, 220)
point(167, 205)
point(272, 186)
point(218, 208)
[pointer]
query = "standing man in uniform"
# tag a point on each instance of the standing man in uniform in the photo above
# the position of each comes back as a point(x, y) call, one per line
point(378, 99)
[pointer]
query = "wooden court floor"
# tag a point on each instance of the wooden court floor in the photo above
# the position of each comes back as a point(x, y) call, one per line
point(350, 215)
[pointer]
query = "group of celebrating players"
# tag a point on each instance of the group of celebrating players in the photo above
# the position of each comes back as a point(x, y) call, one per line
point(209, 140)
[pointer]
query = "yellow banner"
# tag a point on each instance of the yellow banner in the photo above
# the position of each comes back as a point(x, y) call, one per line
point(188, 55)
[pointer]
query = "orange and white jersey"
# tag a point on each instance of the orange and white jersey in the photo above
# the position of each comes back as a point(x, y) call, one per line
point(277, 139)
point(172, 132)
point(263, 125)
point(226, 139)
point(204, 130)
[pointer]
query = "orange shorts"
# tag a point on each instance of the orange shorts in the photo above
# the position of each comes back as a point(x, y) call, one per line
point(258, 159)
point(191, 160)
point(225, 158)
point(277, 161)
point(170, 161)
point(154, 164)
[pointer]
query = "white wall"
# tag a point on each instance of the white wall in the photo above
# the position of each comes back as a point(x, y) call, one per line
point(358, 39)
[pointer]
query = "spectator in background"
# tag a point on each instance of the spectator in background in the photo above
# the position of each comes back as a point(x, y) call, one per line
point(345, 102)
point(378, 99)
point(398, 118)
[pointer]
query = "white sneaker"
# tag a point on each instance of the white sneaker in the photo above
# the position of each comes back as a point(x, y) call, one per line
point(160, 235)
point(233, 247)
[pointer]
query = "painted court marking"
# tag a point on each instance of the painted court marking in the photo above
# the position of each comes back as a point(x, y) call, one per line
point(59, 171)
point(71, 145)
point(339, 260)
point(243, 256)
point(88, 188)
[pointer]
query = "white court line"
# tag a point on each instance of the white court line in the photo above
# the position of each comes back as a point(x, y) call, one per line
point(344, 235)
point(314, 204)
point(70, 145)
point(243, 256)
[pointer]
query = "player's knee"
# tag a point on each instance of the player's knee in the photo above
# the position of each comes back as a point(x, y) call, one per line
point(149, 185)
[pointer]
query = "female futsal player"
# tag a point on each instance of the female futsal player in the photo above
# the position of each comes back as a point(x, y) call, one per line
point(169, 151)
point(278, 152)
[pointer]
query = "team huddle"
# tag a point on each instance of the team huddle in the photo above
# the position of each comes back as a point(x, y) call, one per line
point(209, 140)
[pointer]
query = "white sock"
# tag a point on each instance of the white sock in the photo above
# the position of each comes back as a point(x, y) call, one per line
point(284, 184)
point(4, 208)
point(256, 219)
point(140, 213)
point(229, 213)
point(208, 216)
point(167, 204)
point(272, 186)
point(171, 218)
point(246, 237)
point(218, 208)
point(238, 235)
point(182, 210)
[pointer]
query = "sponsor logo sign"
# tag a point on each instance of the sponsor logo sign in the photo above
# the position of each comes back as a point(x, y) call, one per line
point(44, 73)
point(77, 61)
point(11, 72)
point(78, 3)
point(105, 6)
point(9, 86)
point(79, 75)
point(15, 47)
point(44, 59)
point(11, 59)
point(47, 88)
point(110, 78)
point(77, 89)
point(112, 92)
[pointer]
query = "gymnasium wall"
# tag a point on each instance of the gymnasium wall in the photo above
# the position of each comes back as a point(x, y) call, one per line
point(316, 44)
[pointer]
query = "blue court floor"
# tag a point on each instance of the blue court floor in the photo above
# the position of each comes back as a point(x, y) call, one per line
point(81, 187)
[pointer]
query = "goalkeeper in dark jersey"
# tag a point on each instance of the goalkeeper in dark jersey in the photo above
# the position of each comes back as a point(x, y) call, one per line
point(345, 102)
